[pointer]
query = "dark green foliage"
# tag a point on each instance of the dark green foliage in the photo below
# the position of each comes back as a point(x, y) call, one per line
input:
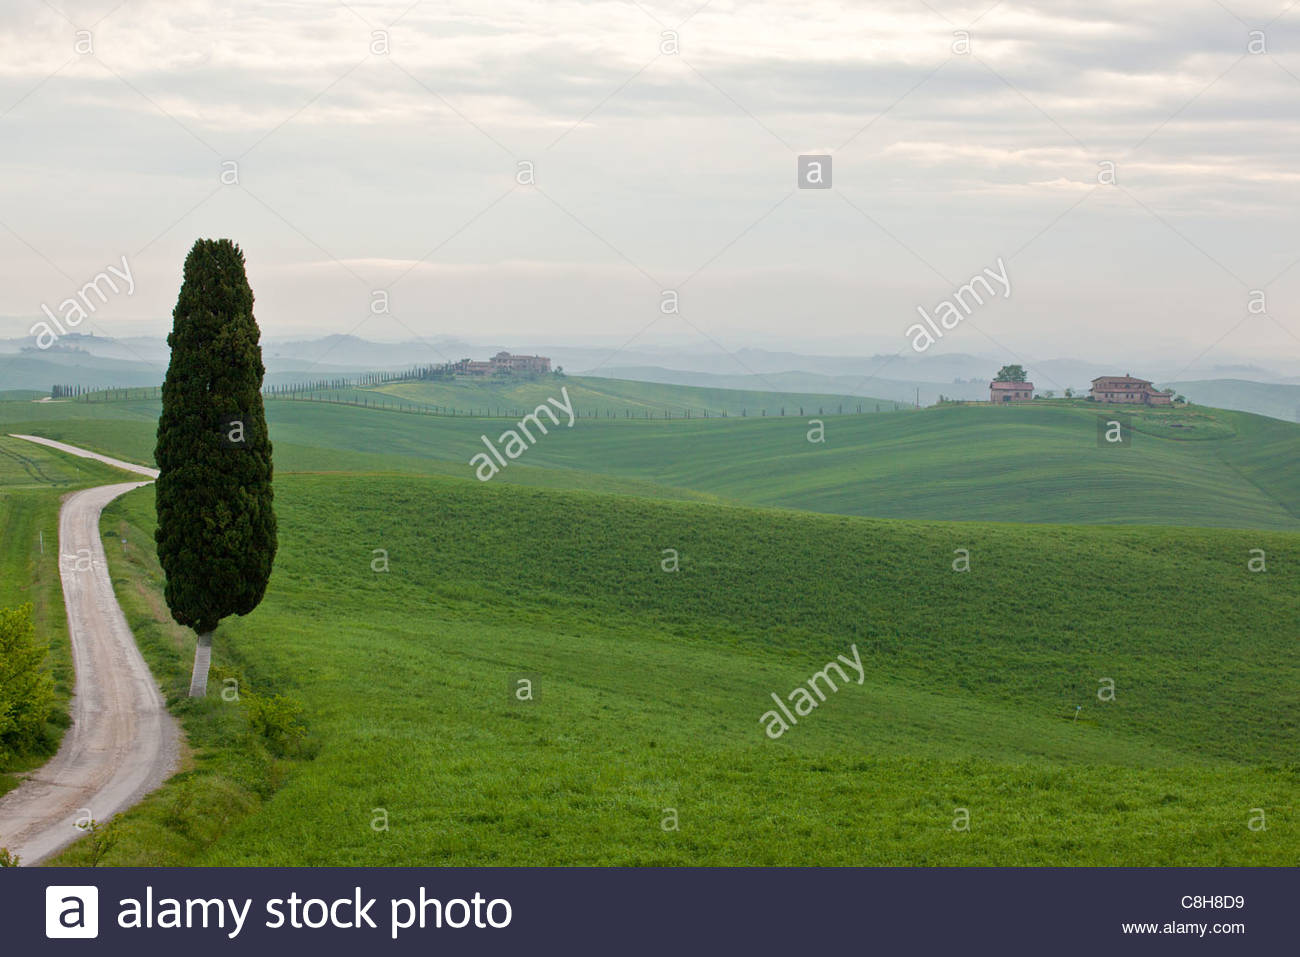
point(216, 526)
point(1013, 373)
point(26, 690)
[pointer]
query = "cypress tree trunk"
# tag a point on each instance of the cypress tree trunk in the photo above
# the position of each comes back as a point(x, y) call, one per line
point(202, 659)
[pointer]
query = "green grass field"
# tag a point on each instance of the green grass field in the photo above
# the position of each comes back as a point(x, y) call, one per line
point(650, 686)
point(592, 397)
point(598, 397)
point(1038, 463)
point(983, 690)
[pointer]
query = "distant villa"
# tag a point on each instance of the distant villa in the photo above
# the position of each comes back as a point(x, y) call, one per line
point(1127, 390)
point(502, 362)
point(1011, 391)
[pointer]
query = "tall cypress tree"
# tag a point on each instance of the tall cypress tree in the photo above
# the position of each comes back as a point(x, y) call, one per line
point(216, 524)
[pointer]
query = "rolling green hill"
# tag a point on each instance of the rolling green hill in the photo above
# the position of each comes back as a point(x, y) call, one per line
point(595, 397)
point(1034, 463)
point(370, 692)
point(591, 397)
point(981, 690)
point(903, 390)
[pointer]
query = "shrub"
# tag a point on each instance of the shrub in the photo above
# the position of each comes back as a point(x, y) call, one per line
point(277, 720)
point(99, 841)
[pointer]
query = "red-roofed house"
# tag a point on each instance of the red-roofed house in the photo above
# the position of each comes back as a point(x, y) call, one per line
point(1127, 390)
point(1000, 392)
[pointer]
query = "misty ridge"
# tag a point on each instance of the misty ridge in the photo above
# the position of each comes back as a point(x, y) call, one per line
point(1269, 388)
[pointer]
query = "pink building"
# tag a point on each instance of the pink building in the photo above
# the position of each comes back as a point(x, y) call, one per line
point(1127, 390)
point(1000, 392)
point(502, 362)
point(505, 362)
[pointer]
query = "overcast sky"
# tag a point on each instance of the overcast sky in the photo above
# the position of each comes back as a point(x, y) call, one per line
point(378, 146)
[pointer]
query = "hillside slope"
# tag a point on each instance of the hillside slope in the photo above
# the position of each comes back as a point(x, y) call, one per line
point(621, 398)
point(980, 690)
point(1035, 463)
point(877, 382)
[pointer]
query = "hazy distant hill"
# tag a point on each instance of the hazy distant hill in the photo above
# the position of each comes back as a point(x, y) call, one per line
point(42, 370)
point(351, 351)
point(108, 362)
point(1279, 400)
point(27, 370)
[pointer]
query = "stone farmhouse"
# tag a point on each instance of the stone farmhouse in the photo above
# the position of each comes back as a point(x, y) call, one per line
point(1000, 392)
point(1128, 390)
point(502, 362)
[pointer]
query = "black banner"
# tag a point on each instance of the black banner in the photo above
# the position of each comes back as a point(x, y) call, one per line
point(648, 911)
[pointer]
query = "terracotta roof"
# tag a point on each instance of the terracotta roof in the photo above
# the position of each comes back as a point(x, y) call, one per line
point(1134, 380)
point(1011, 385)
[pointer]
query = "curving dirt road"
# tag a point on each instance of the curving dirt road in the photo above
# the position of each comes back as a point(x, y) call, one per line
point(123, 742)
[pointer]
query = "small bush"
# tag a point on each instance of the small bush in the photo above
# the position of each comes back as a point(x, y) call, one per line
point(100, 840)
point(277, 720)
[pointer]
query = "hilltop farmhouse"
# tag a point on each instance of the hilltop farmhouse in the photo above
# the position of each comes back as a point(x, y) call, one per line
point(1000, 392)
point(502, 362)
point(1128, 390)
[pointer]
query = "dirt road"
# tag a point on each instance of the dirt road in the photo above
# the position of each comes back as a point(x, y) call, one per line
point(123, 742)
